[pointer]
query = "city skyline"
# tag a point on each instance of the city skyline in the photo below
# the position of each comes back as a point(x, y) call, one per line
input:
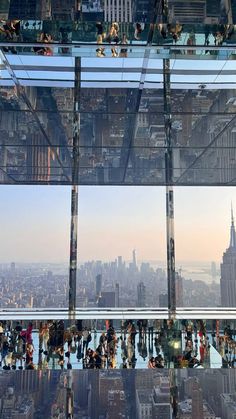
point(35, 221)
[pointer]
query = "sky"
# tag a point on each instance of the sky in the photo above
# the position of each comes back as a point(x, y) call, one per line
point(35, 223)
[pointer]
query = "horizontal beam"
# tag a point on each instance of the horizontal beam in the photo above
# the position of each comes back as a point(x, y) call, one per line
point(94, 45)
point(117, 313)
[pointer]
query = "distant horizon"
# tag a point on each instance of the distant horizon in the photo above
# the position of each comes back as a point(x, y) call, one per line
point(151, 261)
point(35, 223)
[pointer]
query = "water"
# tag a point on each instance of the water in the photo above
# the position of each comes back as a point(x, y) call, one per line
point(195, 270)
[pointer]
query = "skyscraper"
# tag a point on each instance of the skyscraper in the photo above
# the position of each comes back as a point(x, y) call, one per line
point(141, 291)
point(38, 159)
point(64, 10)
point(94, 394)
point(197, 401)
point(187, 11)
point(81, 388)
point(117, 292)
point(228, 270)
point(4, 9)
point(107, 299)
point(98, 286)
point(118, 11)
point(143, 10)
point(134, 259)
point(22, 9)
point(120, 263)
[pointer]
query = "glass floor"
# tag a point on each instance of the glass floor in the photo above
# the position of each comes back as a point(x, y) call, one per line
point(138, 344)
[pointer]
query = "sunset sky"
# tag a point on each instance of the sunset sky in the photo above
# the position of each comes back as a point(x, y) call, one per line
point(34, 223)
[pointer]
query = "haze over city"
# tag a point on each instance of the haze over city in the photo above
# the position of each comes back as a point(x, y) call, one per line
point(35, 222)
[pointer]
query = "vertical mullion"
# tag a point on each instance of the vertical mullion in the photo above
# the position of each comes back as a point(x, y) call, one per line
point(169, 191)
point(74, 191)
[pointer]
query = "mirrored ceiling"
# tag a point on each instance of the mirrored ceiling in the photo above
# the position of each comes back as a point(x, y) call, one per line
point(91, 101)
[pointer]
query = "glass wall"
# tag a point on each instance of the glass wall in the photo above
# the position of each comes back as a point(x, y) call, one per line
point(35, 223)
point(204, 231)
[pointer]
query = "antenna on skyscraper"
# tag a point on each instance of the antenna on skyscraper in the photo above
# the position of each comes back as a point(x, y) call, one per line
point(232, 230)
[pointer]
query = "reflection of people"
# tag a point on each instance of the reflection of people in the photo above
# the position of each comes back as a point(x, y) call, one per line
point(191, 41)
point(85, 339)
point(99, 27)
point(162, 27)
point(150, 329)
point(44, 38)
point(151, 363)
point(64, 38)
point(137, 31)
point(47, 38)
point(29, 352)
point(45, 333)
point(175, 31)
point(143, 349)
point(124, 41)
point(113, 36)
point(101, 50)
point(11, 30)
point(159, 361)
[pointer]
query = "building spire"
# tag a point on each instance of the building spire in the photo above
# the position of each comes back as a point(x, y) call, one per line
point(232, 230)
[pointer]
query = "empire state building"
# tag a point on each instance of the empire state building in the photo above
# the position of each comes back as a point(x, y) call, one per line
point(228, 270)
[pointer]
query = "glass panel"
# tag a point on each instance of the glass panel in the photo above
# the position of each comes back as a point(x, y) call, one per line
point(34, 146)
point(108, 262)
point(204, 251)
point(35, 246)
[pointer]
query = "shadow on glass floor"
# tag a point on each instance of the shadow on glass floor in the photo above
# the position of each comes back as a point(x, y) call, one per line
point(113, 344)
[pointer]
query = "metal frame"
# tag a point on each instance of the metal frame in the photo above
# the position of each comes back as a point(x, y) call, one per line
point(169, 191)
point(118, 313)
point(147, 45)
point(74, 192)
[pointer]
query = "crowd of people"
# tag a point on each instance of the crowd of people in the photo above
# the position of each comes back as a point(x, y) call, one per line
point(52, 344)
point(111, 34)
point(115, 38)
point(44, 38)
point(197, 346)
point(158, 344)
point(218, 33)
point(17, 344)
point(11, 32)
point(227, 347)
point(105, 354)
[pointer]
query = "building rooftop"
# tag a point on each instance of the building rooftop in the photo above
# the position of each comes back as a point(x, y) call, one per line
point(186, 407)
point(144, 396)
